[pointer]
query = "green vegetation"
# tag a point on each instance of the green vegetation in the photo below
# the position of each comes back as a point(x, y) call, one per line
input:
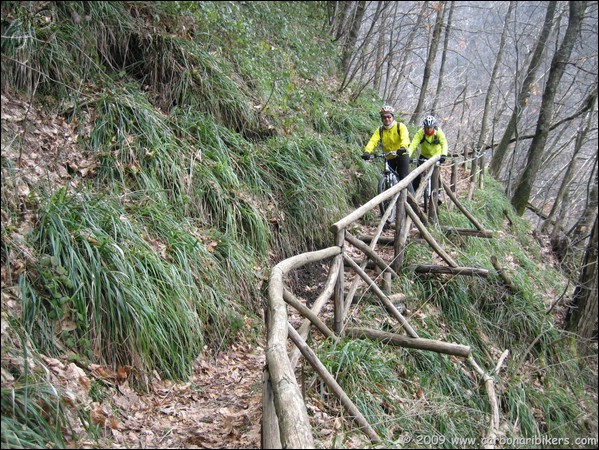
point(436, 399)
point(220, 146)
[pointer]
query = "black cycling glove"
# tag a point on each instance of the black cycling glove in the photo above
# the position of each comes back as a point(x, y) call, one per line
point(366, 156)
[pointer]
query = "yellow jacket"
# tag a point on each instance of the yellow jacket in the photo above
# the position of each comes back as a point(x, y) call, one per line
point(394, 138)
point(430, 145)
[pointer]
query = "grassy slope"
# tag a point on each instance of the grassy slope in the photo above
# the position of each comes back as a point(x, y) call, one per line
point(207, 141)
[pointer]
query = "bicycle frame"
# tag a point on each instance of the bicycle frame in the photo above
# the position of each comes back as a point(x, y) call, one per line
point(428, 196)
point(387, 179)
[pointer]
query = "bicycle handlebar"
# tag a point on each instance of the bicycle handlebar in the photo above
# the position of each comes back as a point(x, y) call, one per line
point(383, 155)
point(416, 160)
point(412, 160)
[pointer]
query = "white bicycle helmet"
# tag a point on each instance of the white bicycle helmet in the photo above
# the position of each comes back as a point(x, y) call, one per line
point(429, 122)
point(387, 110)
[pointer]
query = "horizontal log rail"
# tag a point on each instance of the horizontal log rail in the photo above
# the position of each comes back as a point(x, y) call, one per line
point(408, 342)
point(474, 271)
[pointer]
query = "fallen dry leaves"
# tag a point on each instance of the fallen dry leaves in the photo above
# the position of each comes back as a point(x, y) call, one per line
point(220, 406)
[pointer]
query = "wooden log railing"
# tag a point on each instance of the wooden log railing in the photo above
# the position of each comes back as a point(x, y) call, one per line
point(285, 422)
point(293, 427)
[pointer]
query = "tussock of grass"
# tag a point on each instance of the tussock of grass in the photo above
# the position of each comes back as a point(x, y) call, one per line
point(128, 287)
point(33, 417)
point(36, 412)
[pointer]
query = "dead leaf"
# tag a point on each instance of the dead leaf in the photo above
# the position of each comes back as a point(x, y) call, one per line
point(123, 373)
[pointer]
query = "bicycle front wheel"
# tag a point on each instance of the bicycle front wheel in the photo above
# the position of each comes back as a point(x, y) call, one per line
point(385, 183)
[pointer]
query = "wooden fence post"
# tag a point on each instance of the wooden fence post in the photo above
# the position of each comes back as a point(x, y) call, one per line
point(339, 296)
point(400, 224)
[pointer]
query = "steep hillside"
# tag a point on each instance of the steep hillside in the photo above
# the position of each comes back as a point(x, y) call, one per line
point(157, 159)
point(217, 406)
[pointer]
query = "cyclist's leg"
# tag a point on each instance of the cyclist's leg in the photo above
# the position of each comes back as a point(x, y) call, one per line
point(401, 165)
point(383, 185)
point(416, 182)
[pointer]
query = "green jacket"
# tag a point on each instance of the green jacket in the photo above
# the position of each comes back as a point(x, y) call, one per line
point(394, 138)
point(431, 145)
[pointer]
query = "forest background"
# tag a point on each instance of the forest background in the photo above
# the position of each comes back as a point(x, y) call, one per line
point(158, 158)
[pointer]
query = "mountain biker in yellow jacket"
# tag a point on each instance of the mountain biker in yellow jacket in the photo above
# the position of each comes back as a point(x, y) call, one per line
point(432, 142)
point(395, 137)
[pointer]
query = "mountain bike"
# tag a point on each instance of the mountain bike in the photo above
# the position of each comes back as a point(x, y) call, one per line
point(387, 179)
point(428, 189)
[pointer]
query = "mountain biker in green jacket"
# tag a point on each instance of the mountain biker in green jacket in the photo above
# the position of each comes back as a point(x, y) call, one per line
point(432, 142)
point(395, 137)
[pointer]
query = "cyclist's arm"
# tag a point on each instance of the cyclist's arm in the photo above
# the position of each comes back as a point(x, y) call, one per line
point(443, 141)
point(404, 136)
point(373, 142)
point(415, 142)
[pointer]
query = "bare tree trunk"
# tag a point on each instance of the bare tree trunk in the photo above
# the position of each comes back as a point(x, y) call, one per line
point(443, 58)
point(360, 57)
point(332, 19)
point(583, 225)
point(537, 147)
point(380, 50)
point(522, 98)
point(493, 80)
point(582, 315)
point(458, 146)
point(339, 24)
point(561, 200)
point(354, 29)
point(399, 73)
point(390, 56)
point(428, 66)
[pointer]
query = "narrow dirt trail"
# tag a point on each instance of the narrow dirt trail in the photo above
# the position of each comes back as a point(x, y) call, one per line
point(219, 407)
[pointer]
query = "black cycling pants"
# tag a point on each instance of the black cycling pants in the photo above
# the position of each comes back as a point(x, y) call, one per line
point(401, 165)
point(416, 182)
